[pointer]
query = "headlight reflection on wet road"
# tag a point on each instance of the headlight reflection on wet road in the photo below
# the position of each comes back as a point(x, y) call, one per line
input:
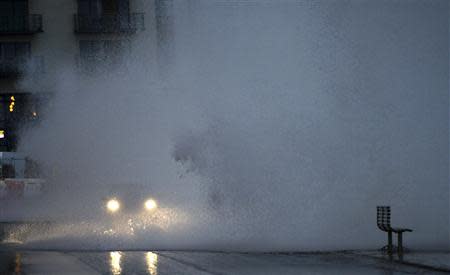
point(152, 263)
point(18, 264)
point(115, 258)
point(151, 260)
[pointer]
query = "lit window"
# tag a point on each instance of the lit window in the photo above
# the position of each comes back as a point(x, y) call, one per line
point(12, 103)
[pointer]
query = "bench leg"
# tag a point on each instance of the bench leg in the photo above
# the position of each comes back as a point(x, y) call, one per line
point(400, 243)
point(389, 242)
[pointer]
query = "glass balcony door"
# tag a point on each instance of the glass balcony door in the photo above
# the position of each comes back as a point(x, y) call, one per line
point(103, 7)
point(123, 12)
point(13, 56)
point(103, 15)
point(98, 55)
point(13, 15)
point(90, 8)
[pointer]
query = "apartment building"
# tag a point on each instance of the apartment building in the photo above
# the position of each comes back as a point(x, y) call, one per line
point(43, 40)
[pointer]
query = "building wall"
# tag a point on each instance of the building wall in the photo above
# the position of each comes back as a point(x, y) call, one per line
point(59, 46)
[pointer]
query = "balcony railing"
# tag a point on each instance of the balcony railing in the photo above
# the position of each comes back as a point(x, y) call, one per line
point(109, 23)
point(18, 66)
point(21, 24)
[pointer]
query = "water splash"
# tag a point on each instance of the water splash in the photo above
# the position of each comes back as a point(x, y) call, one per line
point(280, 127)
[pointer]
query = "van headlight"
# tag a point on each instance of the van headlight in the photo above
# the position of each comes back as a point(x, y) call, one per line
point(113, 205)
point(150, 204)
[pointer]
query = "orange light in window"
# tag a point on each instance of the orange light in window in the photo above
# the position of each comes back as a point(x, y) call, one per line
point(11, 104)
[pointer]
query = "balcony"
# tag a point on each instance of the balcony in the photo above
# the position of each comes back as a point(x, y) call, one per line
point(29, 24)
point(19, 66)
point(109, 23)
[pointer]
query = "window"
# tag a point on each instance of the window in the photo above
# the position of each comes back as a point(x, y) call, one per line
point(14, 50)
point(109, 6)
point(100, 48)
point(90, 48)
point(13, 15)
point(13, 8)
point(95, 54)
point(123, 8)
point(100, 7)
point(90, 7)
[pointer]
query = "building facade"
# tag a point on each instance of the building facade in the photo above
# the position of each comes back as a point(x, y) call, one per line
point(43, 39)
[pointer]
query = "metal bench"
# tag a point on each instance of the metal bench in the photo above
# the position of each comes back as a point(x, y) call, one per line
point(384, 224)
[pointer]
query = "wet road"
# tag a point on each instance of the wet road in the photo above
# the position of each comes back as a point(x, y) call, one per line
point(154, 263)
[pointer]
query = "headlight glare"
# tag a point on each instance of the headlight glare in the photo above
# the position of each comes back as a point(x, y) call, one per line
point(150, 204)
point(113, 205)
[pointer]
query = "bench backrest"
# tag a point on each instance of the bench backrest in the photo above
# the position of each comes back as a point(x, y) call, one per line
point(384, 218)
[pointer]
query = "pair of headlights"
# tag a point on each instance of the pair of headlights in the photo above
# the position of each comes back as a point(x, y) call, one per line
point(113, 205)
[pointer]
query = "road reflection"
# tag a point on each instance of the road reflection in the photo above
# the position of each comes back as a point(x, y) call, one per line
point(11, 263)
point(18, 264)
point(115, 258)
point(152, 263)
